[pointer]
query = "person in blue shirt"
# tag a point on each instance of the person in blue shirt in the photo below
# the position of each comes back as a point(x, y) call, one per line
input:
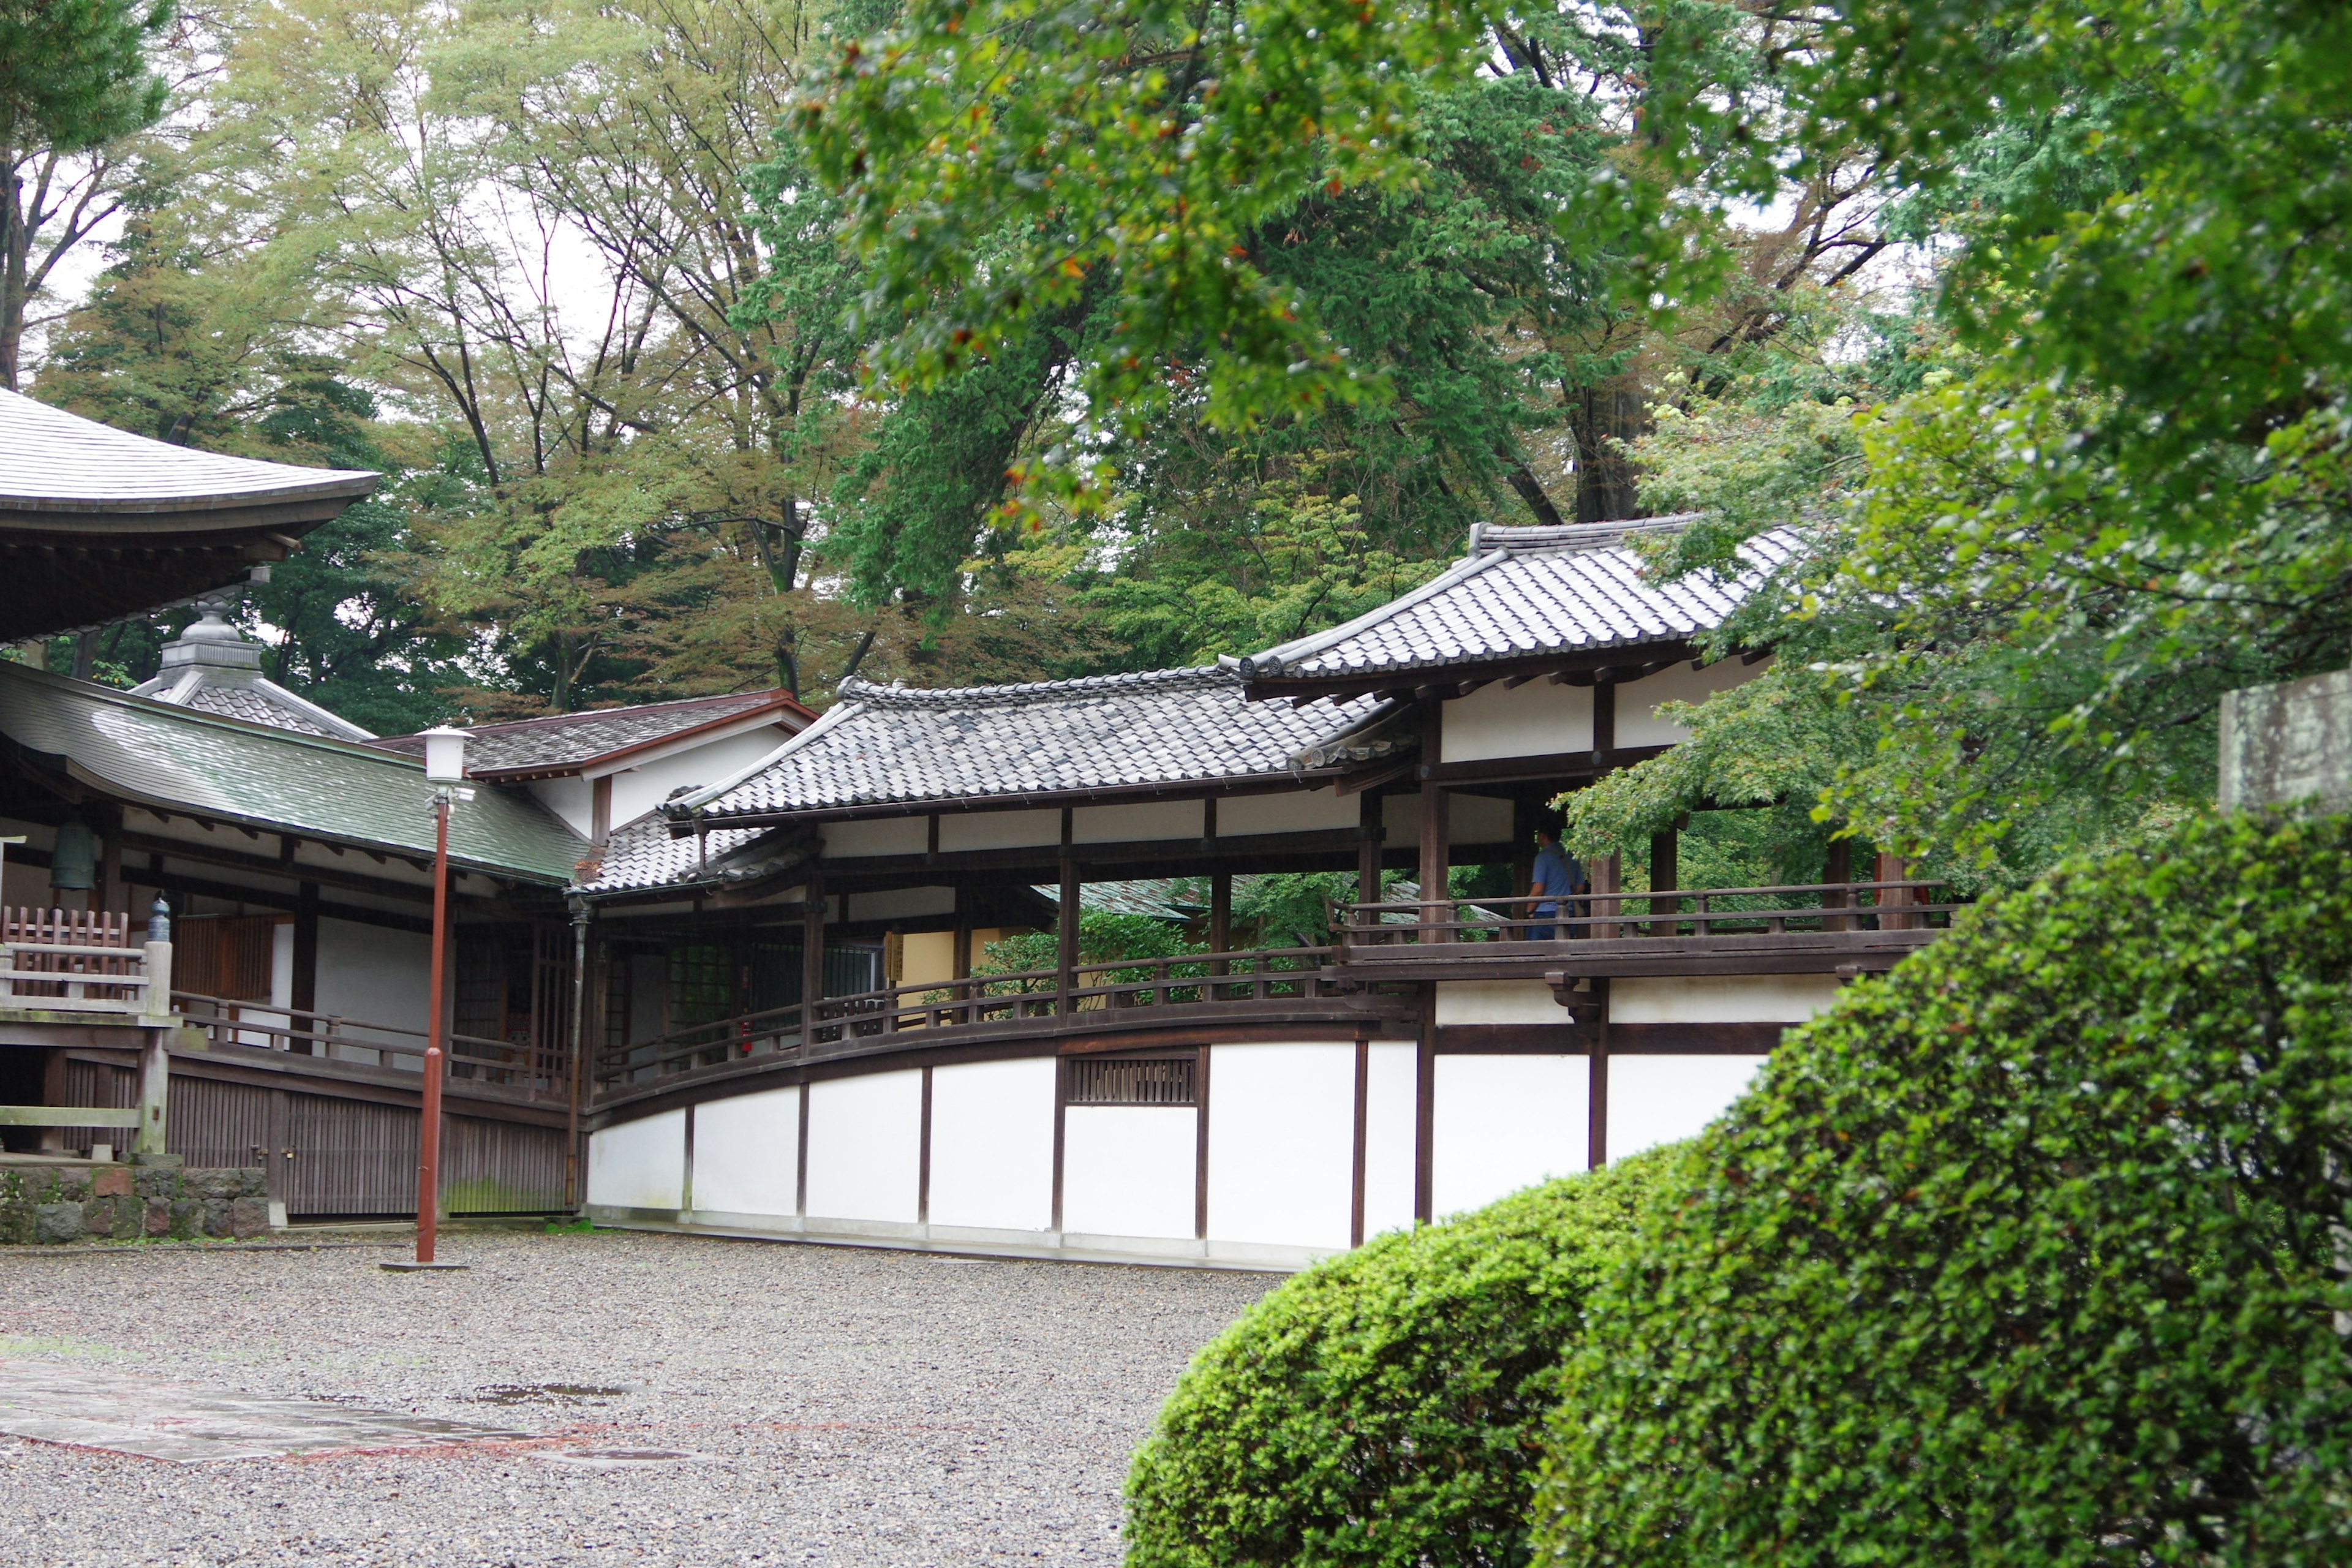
point(1557, 873)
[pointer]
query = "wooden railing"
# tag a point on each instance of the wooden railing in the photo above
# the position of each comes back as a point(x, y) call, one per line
point(80, 961)
point(1207, 981)
point(535, 1069)
point(1781, 911)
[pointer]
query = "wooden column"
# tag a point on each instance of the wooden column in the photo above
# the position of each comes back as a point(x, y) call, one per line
point(1665, 853)
point(1434, 859)
point(1356, 1175)
point(1837, 867)
point(1607, 873)
point(600, 811)
point(1596, 1135)
point(1891, 901)
point(812, 962)
point(1221, 918)
point(1369, 822)
point(305, 992)
point(1424, 1112)
point(959, 964)
point(1604, 721)
point(1065, 978)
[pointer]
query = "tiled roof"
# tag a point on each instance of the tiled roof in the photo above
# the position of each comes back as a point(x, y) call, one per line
point(642, 854)
point(272, 780)
point(566, 741)
point(252, 704)
point(51, 461)
point(883, 745)
point(1524, 593)
point(1152, 895)
point(212, 668)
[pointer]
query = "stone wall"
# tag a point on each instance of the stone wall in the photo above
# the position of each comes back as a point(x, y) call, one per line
point(2286, 744)
point(125, 1203)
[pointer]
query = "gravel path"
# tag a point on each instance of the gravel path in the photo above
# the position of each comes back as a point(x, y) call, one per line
point(869, 1408)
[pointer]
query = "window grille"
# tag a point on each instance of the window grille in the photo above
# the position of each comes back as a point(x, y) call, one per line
point(1131, 1080)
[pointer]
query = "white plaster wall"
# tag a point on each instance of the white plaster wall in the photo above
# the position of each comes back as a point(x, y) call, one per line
point(746, 1153)
point(1506, 1122)
point(1656, 1099)
point(865, 1146)
point(1638, 723)
point(1128, 1169)
point(992, 1145)
point(1281, 1143)
point(1388, 1132)
point(882, 836)
point(637, 791)
point(377, 975)
point(1136, 822)
point(1479, 819)
point(1720, 998)
point(1293, 810)
point(901, 903)
point(639, 1164)
point(281, 964)
point(999, 829)
point(1536, 720)
point(573, 799)
point(1498, 1001)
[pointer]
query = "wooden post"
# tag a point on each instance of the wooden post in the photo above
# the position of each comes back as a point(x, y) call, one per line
point(1066, 959)
point(151, 1144)
point(1356, 1175)
point(1368, 823)
point(1424, 1112)
point(812, 963)
point(1435, 860)
point(1596, 1134)
point(1604, 722)
point(305, 990)
point(1607, 873)
point(1666, 851)
point(582, 913)
point(1837, 868)
point(1891, 901)
point(1221, 917)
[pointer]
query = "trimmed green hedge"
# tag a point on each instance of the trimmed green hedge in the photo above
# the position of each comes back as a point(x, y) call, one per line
point(1385, 1407)
point(2030, 1254)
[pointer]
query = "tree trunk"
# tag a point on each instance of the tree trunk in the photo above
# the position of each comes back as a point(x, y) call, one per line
point(1599, 417)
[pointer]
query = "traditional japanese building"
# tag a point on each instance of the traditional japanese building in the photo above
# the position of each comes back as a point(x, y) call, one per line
point(1253, 1107)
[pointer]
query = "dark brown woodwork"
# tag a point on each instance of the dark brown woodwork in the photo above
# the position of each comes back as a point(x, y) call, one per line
point(813, 946)
point(686, 1180)
point(1604, 722)
point(1403, 682)
point(1199, 1147)
point(923, 1158)
point(1221, 918)
point(1596, 1123)
point(1665, 855)
point(1561, 767)
point(1367, 852)
point(306, 959)
point(1435, 853)
point(1363, 1127)
point(599, 812)
point(1424, 1112)
point(1067, 917)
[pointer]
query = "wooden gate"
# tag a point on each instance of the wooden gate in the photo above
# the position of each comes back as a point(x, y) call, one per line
point(352, 1158)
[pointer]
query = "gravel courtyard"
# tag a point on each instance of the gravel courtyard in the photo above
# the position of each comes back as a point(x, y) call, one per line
point(853, 1408)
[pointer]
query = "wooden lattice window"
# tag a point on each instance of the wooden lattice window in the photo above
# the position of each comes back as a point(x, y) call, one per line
point(225, 955)
point(1133, 1080)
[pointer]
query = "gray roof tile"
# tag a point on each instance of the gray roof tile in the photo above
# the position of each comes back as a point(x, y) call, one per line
point(572, 740)
point(1523, 593)
point(642, 854)
point(885, 745)
point(51, 461)
point(271, 779)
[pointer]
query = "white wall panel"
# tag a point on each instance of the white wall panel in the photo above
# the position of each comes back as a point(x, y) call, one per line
point(1720, 998)
point(899, 903)
point(573, 799)
point(1638, 723)
point(1136, 822)
point(376, 975)
point(1498, 1001)
point(1128, 1169)
point(882, 836)
point(637, 790)
point(864, 1147)
point(1388, 1132)
point(1656, 1099)
point(1536, 720)
point(1293, 811)
point(1506, 1122)
point(992, 1145)
point(1281, 1143)
point(746, 1153)
point(999, 829)
point(1479, 819)
point(639, 1164)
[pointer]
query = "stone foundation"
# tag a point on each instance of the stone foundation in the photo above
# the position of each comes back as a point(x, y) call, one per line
point(125, 1203)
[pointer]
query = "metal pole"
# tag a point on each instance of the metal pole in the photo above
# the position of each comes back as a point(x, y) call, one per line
point(428, 1133)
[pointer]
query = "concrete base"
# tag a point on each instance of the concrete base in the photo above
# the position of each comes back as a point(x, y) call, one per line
point(410, 1266)
point(963, 1241)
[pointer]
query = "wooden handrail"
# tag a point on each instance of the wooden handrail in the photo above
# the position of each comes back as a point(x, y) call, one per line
point(1662, 914)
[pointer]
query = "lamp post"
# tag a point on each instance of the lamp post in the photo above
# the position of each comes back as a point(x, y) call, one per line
point(445, 769)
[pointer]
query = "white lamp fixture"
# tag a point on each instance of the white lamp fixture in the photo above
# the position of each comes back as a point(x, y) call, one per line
point(445, 755)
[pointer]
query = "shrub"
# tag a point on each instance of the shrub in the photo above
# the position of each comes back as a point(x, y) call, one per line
point(2029, 1254)
point(1386, 1406)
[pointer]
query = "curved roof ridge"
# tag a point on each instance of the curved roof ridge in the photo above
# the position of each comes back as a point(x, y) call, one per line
point(898, 696)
